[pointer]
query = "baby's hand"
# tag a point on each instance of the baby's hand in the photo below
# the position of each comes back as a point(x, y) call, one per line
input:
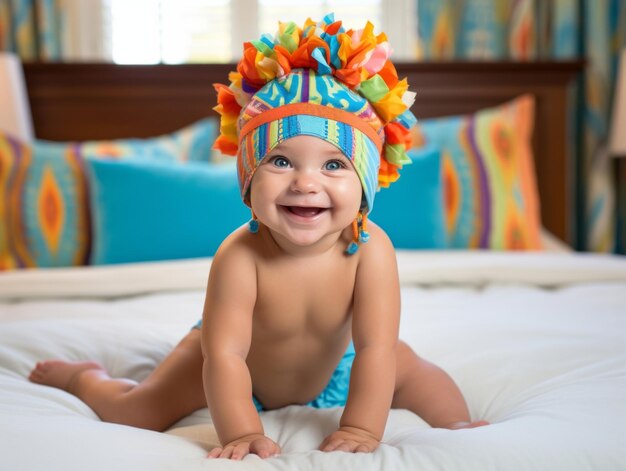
point(350, 439)
point(256, 444)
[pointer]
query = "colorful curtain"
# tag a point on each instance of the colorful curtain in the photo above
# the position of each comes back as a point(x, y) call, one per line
point(32, 28)
point(542, 29)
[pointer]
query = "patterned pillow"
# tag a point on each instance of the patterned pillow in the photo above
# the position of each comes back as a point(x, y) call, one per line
point(192, 143)
point(44, 191)
point(491, 196)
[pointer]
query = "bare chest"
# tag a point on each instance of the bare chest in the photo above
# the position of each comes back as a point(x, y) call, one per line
point(311, 298)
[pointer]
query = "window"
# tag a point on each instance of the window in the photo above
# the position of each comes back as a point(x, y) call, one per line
point(179, 31)
point(353, 13)
point(169, 31)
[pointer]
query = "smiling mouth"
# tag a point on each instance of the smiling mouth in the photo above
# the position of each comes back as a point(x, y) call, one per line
point(304, 212)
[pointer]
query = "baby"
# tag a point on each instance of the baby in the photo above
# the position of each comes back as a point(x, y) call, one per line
point(303, 303)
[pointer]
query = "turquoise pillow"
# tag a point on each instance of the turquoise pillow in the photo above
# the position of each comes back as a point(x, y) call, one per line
point(411, 210)
point(155, 210)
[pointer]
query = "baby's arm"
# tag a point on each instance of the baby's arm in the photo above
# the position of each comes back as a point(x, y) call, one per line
point(226, 336)
point(375, 324)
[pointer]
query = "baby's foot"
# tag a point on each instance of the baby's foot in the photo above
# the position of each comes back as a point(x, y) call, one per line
point(61, 374)
point(461, 425)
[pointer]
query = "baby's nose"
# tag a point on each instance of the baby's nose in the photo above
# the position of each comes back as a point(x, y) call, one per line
point(305, 182)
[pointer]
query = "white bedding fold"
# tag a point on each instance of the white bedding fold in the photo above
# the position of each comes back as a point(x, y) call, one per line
point(105, 281)
point(471, 268)
point(477, 268)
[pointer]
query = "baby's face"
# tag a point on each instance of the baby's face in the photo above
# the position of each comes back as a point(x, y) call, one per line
point(305, 191)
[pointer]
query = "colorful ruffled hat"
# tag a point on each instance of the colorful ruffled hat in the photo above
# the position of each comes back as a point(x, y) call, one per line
point(324, 81)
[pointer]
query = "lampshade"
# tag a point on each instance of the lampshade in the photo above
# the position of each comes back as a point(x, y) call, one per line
point(617, 145)
point(15, 117)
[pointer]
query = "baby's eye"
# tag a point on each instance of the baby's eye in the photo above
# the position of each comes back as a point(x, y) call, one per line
point(280, 161)
point(334, 165)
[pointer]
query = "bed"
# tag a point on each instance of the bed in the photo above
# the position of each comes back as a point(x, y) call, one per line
point(536, 340)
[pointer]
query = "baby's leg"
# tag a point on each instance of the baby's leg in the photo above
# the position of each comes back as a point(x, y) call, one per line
point(428, 391)
point(172, 391)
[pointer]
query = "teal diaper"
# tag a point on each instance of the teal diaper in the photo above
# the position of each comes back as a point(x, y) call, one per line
point(335, 394)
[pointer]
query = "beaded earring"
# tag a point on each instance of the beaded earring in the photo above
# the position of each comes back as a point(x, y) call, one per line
point(253, 224)
point(359, 233)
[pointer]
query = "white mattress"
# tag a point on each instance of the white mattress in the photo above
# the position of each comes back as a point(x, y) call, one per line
point(537, 343)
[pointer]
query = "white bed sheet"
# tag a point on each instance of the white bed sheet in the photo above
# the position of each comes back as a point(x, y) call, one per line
point(537, 343)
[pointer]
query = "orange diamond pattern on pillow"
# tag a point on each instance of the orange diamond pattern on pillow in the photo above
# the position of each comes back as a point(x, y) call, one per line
point(44, 216)
point(490, 189)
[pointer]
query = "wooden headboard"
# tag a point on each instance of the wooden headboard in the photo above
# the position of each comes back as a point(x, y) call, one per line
point(106, 101)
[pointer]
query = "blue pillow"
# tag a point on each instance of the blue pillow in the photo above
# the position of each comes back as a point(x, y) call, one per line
point(154, 210)
point(411, 210)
